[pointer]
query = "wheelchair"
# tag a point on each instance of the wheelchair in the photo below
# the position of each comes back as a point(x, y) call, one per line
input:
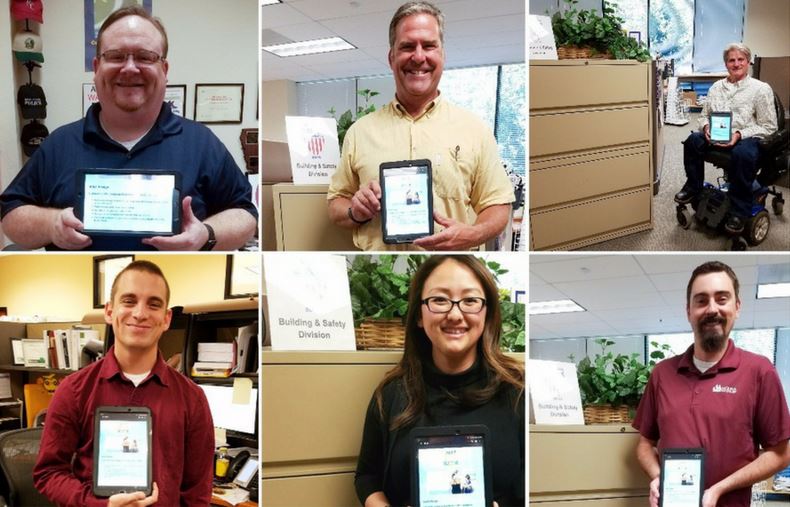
point(712, 205)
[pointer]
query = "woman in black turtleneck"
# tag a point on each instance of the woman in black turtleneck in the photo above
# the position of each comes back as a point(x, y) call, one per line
point(452, 373)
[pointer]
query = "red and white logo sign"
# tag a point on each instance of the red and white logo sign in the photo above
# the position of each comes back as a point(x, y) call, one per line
point(315, 145)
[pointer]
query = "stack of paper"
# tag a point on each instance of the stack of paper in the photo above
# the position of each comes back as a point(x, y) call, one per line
point(215, 359)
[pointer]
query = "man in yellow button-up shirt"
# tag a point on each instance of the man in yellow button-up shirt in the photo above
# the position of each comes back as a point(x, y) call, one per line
point(472, 193)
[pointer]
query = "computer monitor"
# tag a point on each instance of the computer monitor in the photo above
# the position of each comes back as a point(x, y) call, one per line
point(228, 415)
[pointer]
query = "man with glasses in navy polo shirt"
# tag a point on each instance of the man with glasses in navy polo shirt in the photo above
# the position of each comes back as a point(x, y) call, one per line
point(715, 396)
point(131, 127)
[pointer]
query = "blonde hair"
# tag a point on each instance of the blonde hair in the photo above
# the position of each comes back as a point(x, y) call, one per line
point(740, 47)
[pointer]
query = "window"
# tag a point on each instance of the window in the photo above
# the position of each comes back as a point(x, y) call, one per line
point(759, 341)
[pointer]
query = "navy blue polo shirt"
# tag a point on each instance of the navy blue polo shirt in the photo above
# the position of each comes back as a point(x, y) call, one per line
point(208, 172)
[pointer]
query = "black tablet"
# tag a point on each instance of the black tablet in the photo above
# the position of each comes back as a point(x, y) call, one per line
point(129, 202)
point(720, 127)
point(406, 200)
point(122, 451)
point(451, 467)
point(682, 479)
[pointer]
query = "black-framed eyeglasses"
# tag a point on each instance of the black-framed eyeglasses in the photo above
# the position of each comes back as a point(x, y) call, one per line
point(140, 56)
point(440, 304)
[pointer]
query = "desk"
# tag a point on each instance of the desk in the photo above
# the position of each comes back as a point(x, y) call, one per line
point(222, 503)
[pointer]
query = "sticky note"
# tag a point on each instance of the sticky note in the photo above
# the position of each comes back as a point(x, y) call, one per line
point(242, 388)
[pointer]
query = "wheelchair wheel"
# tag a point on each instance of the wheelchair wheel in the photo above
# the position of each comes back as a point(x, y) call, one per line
point(684, 218)
point(778, 205)
point(757, 228)
point(736, 244)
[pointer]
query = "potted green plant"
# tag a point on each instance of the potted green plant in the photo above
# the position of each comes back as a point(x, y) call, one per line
point(586, 34)
point(347, 119)
point(611, 384)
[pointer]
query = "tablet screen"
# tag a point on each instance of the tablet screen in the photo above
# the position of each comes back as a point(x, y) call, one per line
point(407, 206)
point(123, 452)
point(451, 471)
point(128, 202)
point(681, 478)
point(720, 127)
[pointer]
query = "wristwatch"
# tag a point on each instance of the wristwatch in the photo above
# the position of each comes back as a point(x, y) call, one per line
point(360, 222)
point(211, 242)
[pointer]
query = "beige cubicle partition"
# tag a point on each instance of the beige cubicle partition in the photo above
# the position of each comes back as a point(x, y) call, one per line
point(301, 220)
point(590, 141)
point(585, 466)
point(313, 410)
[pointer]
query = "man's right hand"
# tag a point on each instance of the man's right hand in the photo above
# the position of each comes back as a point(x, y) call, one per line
point(654, 492)
point(65, 231)
point(137, 499)
point(366, 203)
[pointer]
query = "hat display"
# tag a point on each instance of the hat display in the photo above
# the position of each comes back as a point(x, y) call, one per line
point(33, 134)
point(27, 47)
point(32, 101)
point(28, 9)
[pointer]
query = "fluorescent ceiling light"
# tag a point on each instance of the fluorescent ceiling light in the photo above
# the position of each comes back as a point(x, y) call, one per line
point(773, 290)
point(270, 2)
point(558, 306)
point(309, 47)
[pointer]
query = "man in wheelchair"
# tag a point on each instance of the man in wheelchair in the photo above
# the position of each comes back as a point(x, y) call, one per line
point(751, 103)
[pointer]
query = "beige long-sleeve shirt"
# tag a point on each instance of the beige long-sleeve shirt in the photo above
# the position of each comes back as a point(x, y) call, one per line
point(751, 102)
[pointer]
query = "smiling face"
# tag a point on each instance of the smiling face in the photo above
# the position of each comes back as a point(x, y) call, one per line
point(128, 87)
point(737, 65)
point(417, 59)
point(138, 312)
point(712, 309)
point(453, 335)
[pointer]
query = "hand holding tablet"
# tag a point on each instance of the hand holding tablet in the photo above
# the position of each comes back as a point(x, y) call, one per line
point(122, 453)
point(406, 200)
point(720, 127)
point(682, 478)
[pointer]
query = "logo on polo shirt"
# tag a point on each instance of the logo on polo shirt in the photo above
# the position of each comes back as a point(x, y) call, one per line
point(718, 388)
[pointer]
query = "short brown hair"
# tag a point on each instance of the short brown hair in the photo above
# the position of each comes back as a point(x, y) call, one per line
point(412, 8)
point(145, 267)
point(712, 267)
point(132, 10)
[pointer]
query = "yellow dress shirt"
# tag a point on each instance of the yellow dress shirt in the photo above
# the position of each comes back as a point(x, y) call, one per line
point(468, 175)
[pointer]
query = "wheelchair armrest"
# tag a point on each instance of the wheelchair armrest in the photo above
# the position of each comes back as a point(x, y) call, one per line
point(775, 140)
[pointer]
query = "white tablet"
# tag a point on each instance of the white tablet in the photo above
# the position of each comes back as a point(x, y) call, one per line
point(682, 480)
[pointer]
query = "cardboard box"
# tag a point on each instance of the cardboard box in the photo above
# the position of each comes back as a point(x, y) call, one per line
point(691, 96)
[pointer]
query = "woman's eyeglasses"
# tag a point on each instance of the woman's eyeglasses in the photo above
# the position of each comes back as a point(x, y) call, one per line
point(439, 304)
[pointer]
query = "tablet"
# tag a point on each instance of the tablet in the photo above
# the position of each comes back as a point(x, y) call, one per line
point(129, 202)
point(682, 479)
point(122, 451)
point(720, 127)
point(451, 467)
point(406, 200)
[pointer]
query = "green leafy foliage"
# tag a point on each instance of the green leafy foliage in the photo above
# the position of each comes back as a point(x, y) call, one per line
point(347, 119)
point(610, 379)
point(585, 28)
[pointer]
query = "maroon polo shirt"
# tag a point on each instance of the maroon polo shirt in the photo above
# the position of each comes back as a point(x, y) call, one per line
point(729, 410)
point(183, 435)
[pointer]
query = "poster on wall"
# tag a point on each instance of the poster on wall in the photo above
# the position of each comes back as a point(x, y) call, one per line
point(89, 96)
point(314, 149)
point(96, 11)
point(309, 302)
point(554, 393)
point(176, 97)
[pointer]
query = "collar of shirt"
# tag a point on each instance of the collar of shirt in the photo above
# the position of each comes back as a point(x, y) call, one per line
point(110, 368)
point(730, 361)
point(167, 124)
point(433, 106)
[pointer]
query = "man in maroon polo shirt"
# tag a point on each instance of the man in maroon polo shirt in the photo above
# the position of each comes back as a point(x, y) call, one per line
point(133, 373)
point(715, 396)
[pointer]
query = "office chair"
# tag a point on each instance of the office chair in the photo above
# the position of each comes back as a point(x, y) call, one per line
point(712, 206)
point(18, 454)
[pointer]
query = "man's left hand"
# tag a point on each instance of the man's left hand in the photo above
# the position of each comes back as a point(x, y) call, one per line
point(736, 136)
point(193, 233)
point(455, 236)
point(710, 497)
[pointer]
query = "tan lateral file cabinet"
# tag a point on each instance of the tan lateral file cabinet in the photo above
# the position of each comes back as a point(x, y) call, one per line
point(590, 151)
point(301, 220)
point(585, 466)
point(314, 406)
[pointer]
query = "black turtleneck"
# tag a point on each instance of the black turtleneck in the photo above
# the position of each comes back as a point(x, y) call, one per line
point(385, 456)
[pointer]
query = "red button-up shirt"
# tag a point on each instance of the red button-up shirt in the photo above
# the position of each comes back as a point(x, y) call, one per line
point(729, 410)
point(183, 435)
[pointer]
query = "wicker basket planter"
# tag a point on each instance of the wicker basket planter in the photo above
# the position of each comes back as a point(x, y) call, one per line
point(607, 414)
point(575, 52)
point(380, 334)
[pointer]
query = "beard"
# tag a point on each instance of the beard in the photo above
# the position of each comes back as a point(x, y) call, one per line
point(713, 340)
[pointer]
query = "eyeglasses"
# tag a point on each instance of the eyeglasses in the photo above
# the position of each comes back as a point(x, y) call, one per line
point(439, 304)
point(141, 57)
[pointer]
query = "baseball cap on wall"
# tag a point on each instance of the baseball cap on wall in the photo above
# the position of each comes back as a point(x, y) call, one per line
point(33, 134)
point(27, 47)
point(32, 102)
point(28, 9)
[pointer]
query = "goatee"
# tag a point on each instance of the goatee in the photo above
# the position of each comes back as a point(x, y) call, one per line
point(713, 342)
